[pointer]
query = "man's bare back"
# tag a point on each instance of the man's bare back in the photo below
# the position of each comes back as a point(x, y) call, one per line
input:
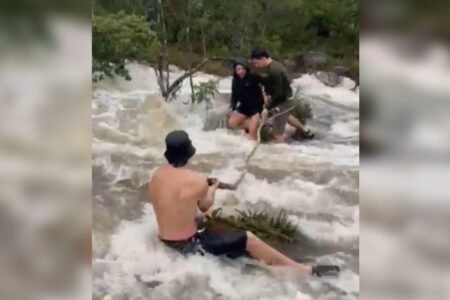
point(175, 194)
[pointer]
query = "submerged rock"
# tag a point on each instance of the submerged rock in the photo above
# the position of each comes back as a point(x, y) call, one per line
point(330, 79)
point(216, 118)
point(341, 71)
point(289, 63)
point(315, 59)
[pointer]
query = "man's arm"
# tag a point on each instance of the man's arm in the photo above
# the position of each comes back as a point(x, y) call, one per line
point(207, 200)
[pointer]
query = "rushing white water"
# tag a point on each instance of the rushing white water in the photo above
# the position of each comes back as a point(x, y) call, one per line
point(316, 182)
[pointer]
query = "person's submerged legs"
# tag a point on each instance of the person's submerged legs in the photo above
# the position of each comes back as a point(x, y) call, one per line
point(262, 251)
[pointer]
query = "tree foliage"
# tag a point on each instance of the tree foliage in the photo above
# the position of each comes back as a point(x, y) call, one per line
point(118, 37)
point(288, 28)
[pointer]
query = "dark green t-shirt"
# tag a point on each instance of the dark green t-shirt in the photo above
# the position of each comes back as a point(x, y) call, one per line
point(277, 84)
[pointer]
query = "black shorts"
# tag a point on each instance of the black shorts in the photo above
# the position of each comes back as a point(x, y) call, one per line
point(249, 111)
point(232, 243)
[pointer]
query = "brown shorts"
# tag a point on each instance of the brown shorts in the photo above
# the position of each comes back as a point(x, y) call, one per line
point(279, 122)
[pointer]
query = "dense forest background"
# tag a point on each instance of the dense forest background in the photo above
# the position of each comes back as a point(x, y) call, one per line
point(184, 32)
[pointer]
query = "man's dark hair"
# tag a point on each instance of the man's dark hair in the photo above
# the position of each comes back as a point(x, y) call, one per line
point(178, 163)
point(258, 53)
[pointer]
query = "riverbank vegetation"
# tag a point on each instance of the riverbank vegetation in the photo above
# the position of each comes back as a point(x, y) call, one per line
point(302, 33)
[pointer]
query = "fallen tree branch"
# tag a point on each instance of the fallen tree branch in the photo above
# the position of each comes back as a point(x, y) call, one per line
point(189, 73)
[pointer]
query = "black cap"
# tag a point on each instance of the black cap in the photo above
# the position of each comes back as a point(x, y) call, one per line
point(258, 53)
point(179, 148)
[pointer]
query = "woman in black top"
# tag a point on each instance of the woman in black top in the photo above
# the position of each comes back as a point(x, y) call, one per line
point(247, 99)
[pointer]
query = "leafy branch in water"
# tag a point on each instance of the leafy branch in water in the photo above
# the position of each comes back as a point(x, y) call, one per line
point(264, 225)
point(102, 69)
point(204, 92)
point(302, 111)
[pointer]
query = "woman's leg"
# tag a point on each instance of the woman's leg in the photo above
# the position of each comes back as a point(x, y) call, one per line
point(236, 120)
point(261, 251)
point(253, 126)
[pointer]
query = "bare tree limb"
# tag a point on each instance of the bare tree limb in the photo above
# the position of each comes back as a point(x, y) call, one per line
point(188, 73)
point(188, 37)
point(166, 55)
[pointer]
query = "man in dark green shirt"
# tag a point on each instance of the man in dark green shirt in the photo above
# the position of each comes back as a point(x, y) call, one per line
point(277, 87)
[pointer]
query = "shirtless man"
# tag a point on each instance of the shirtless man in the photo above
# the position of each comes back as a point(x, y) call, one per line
point(176, 192)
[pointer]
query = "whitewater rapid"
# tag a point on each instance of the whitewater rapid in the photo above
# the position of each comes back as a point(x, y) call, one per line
point(316, 182)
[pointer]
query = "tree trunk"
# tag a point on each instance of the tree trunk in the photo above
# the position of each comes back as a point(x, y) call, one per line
point(166, 55)
point(162, 66)
point(204, 43)
point(159, 65)
point(188, 37)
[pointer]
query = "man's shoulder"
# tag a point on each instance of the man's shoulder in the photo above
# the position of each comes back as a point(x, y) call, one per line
point(279, 67)
point(276, 67)
point(195, 183)
point(179, 177)
point(166, 172)
point(194, 176)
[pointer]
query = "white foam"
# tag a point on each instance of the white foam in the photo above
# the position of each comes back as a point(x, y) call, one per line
point(310, 85)
point(224, 85)
point(158, 263)
point(346, 129)
point(135, 249)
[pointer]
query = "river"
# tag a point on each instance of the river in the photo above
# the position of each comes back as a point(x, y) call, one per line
point(316, 182)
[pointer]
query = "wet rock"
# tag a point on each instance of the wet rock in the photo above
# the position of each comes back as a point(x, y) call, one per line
point(315, 60)
point(150, 284)
point(303, 110)
point(330, 79)
point(230, 201)
point(341, 71)
point(289, 63)
point(216, 118)
point(221, 99)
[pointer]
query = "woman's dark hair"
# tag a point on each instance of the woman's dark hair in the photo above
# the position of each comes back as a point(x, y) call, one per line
point(258, 53)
